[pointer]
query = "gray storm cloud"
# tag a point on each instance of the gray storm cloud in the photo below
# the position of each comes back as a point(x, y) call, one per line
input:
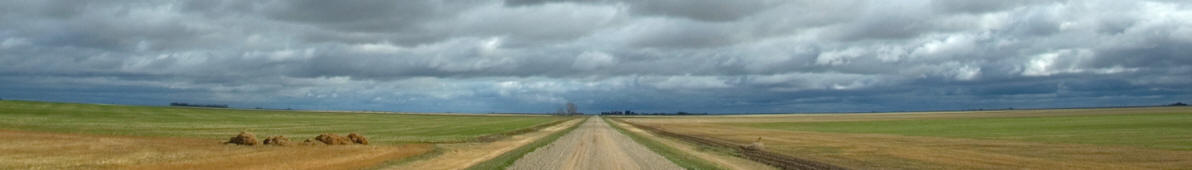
point(663, 55)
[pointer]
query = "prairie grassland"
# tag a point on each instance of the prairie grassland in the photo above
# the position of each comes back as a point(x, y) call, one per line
point(1121, 138)
point(47, 150)
point(685, 154)
point(381, 128)
point(1159, 131)
point(533, 142)
point(467, 155)
point(43, 135)
point(844, 117)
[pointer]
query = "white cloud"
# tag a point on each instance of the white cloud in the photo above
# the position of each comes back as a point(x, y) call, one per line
point(516, 56)
point(593, 60)
point(1057, 62)
point(687, 82)
point(14, 42)
point(955, 45)
point(967, 72)
point(789, 82)
point(379, 48)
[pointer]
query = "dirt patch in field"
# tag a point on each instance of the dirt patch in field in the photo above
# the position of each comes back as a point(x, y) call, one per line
point(878, 151)
point(42, 150)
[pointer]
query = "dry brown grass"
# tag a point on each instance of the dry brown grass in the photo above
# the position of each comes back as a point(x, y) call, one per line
point(464, 155)
point(41, 150)
point(892, 151)
point(899, 116)
point(882, 151)
point(722, 159)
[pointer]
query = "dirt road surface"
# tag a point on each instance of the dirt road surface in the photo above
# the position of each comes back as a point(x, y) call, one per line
point(594, 145)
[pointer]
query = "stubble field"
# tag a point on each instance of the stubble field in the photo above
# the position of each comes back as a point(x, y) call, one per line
point(43, 135)
point(1118, 138)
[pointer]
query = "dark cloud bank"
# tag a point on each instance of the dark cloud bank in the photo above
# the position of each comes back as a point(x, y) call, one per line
point(661, 55)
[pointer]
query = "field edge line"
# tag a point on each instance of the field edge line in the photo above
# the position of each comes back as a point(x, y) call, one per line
point(507, 134)
point(677, 157)
point(761, 156)
point(435, 151)
point(508, 158)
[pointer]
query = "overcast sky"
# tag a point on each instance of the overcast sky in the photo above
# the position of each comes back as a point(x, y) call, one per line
point(719, 56)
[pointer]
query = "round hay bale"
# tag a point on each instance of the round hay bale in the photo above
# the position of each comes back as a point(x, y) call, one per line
point(332, 139)
point(357, 138)
point(277, 140)
point(244, 138)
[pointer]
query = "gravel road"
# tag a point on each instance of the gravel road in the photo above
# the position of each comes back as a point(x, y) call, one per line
point(594, 145)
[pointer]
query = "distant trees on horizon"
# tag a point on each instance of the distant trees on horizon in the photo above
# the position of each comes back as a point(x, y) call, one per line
point(568, 109)
point(629, 112)
point(180, 104)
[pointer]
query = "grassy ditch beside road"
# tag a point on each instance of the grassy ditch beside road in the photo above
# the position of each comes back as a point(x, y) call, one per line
point(680, 158)
point(506, 159)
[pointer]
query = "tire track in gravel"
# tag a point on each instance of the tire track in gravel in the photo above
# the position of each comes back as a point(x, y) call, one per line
point(594, 145)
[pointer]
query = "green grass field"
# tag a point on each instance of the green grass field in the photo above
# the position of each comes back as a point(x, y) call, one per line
point(685, 160)
point(1171, 131)
point(224, 123)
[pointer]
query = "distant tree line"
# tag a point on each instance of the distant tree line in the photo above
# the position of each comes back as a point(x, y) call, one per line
point(262, 108)
point(180, 104)
point(629, 112)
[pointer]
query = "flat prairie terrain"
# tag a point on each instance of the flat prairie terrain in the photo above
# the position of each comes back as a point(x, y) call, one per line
point(687, 154)
point(470, 155)
point(42, 150)
point(210, 123)
point(1117, 138)
point(42, 135)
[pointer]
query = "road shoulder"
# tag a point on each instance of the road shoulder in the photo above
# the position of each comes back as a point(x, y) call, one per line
point(464, 155)
point(719, 158)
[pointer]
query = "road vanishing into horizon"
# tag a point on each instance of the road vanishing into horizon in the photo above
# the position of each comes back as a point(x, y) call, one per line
point(593, 145)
